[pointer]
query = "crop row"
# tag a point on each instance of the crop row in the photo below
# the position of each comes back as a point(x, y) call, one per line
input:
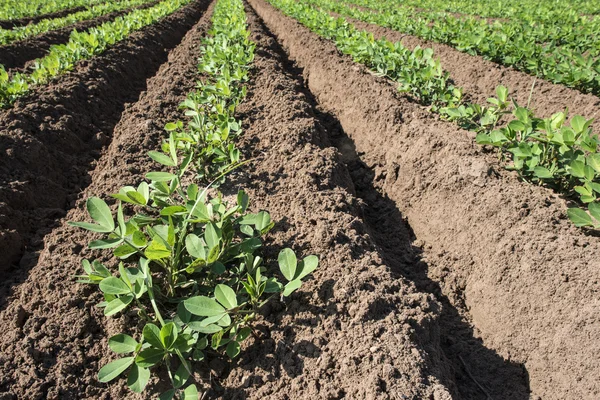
point(188, 262)
point(15, 9)
point(567, 30)
point(523, 46)
point(23, 32)
point(81, 46)
point(548, 151)
point(525, 9)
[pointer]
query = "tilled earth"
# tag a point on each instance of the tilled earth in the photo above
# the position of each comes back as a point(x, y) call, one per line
point(442, 276)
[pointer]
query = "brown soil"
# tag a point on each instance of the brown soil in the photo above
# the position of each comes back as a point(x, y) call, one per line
point(357, 330)
point(501, 251)
point(442, 276)
point(55, 338)
point(17, 54)
point(50, 139)
point(32, 20)
point(479, 78)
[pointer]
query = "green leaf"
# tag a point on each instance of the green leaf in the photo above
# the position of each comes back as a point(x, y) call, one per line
point(308, 265)
point(287, 263)
point(113, 369)
point(226, 296)
point(194, 246)
point(168, 395)
point(579, 217)
point(138, 378)
point(161, 158)
point(542, 173)
point(137, 197)
point(168, 335)
point(152, 335)
point(577, 169)
point(122, 344)
point(203, 306)
point(160, 176)
point(181, 376)
point(593, 160)
point(578, 123)
point(105, 243)
point(211, 235)
point(90, 227)
point(594, 209)
point(113, 285)
point(157, 250)
point(207, 329)
point(149, 357)
point(233, 349)
point(291, 287)
point(118, 304)
point(190, 393)
point(172, 210)
point(100, 213)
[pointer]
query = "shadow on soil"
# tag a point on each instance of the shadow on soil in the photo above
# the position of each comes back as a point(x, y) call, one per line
point(476, 372)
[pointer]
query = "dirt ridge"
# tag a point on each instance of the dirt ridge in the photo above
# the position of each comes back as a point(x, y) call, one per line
point(16, 55)
point(480, 77)
point(52, 137)
point(57, 337)
point(501, 251)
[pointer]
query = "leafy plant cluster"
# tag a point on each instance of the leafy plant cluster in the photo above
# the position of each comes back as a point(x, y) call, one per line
point(560, 52)
point(23, 32)
point(417, 72)
point(81, 46)
point(15, 9)
point(521, 9)
point(550, 151)
point(189, 263)
point(546, 151)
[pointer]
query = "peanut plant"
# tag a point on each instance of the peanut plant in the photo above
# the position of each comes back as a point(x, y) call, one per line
point(189, 263)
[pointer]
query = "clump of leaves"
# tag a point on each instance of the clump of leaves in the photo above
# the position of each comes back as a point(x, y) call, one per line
point(550, 151)
point(189, 266)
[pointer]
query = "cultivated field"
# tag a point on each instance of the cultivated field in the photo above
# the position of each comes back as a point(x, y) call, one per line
point(299, 199)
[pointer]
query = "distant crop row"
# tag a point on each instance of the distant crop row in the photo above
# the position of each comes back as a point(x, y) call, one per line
point(81, 46)
point(525, 9)
point(23, 32)
point(559, 154)
point(565, 56)
point(188, 262)
point(15, 9)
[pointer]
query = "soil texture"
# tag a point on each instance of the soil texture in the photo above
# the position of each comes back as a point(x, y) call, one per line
point(56, 339)
point(501, 251)
point(17, 54)
point(52, 137)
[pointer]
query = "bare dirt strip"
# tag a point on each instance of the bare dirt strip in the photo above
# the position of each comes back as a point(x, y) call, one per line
point(17, 54)
point(479, 78)
point(51, 138)
point(501, 251)
point(55, 337)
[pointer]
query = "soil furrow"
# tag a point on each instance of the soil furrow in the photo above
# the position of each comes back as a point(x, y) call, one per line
point(56, 338)
point(17, 54)
point(28, 20)
point(51, 138)
point(501, 251)
point(355, 330)
point(479, 78)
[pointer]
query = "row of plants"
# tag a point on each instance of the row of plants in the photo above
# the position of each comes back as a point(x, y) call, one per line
point(570, 59)
point(23, 32)
point(553, 152)
point(81, 46)
point(187, 260)
point(567, 30)
point(15, 9)
point(526, 9)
